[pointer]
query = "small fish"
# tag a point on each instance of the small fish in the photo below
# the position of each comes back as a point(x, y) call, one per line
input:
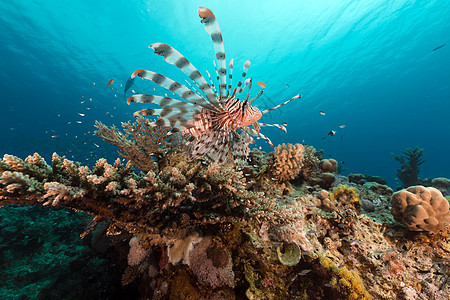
point(304, 272)
point(287, 86)
point(110, 82)
point(59, 116)
point(68, 122)
point(331, 133)
point(354, 242)
point(261, 84)
point(342, 126)
point(322, 113)
point(81, 114)
point(96, 145)
point(94, 83)
point(82, 102)
point(55, 136)
point(79, 122)
point(439, 47)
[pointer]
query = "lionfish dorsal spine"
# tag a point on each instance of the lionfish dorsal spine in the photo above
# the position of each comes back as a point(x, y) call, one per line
point(249, 89)
point(173, 57)
point(175, 87)
point(261, 91)
point(244, 73)
point(212, 27)
point(212, 84)
point(230, 76)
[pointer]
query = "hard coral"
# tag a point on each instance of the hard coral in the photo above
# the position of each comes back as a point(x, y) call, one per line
point(328, 165)
point(287, 161)
point(420, 208)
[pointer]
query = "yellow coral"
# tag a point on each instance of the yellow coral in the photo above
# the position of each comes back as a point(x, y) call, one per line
point(287, 161)
point(346, 281)
point(344, 193)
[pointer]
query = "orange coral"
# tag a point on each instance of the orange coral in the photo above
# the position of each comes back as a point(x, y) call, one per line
point(287, 161)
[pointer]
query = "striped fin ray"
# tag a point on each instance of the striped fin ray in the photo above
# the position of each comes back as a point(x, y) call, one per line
point(274, 125)
point(212, 84)
point(175, 87)
point(284, 103)
point(244, 73)
point(241, 148)
point(253, 132)
point(161, 101)
point(174, 57)
point(212, 146)
point(230, 76)
point(168, 117)
point(212, 27)
point(257, 96)
point(193, 88)
point(249, 88)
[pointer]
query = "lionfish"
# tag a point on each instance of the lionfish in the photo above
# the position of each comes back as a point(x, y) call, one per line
point(217, 122)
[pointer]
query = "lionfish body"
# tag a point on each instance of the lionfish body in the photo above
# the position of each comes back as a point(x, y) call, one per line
point(217, 121)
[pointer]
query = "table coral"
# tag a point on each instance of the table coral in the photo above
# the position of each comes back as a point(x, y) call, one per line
point(420, 208)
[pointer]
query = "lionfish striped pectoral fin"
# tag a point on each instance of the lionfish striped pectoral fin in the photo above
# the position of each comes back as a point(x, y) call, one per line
point(174, 113)
point(212, 27)
point(253, 132)
point(212, 146)
point(274, 125)
point(175, 87)
point(284, 103)
point(174, 57)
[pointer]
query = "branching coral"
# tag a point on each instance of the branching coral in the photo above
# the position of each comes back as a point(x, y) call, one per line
point(420, 208)
point(409, 169)
point(184, 196)
point(287, 161)
point(140, 144)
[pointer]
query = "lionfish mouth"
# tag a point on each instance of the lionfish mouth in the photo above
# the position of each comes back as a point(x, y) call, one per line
point(216, 121)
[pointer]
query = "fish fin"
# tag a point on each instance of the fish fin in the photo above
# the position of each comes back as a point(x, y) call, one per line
point(174, 57)
point(175, 87)
point(212, 27)
point(284, 103)
point(274, 125)
point(253, 132)
point(244, 73)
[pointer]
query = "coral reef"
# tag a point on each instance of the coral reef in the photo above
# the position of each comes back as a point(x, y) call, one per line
point(141, 143)
point(409, 166)
point(187, 229)
point(363, 178)
point(328, 165)
point(420, 208)
point(287, 161)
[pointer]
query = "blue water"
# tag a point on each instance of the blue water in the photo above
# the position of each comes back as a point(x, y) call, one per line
point(368, 64)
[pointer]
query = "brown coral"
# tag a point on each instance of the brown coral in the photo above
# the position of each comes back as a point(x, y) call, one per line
point(420, 208)
point(140, 144)
point(287, 161)
point(328, 165)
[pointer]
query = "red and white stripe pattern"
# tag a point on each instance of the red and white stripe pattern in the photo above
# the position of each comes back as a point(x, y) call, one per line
point(219, 124)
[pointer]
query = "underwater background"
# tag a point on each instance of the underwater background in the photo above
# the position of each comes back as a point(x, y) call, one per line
point(369, 65)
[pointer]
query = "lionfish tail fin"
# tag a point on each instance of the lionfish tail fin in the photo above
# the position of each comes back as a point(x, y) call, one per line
point(174, 57)
point(284, 103)
point(212, 27)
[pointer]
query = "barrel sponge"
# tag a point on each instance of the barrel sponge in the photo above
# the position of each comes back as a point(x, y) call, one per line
point(420, 208)
point(287, 161)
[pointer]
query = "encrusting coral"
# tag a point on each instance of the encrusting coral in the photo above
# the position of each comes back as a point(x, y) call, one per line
point(420, 208)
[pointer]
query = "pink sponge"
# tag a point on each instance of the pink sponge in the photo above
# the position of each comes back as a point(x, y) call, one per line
point(420, 208)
